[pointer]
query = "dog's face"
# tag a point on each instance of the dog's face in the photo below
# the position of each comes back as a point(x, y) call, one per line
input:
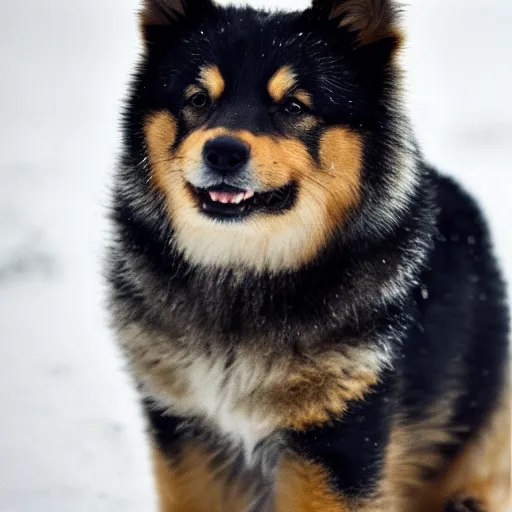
point(254, 126)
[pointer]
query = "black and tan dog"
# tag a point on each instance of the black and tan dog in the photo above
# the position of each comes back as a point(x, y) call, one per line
point(314, 316)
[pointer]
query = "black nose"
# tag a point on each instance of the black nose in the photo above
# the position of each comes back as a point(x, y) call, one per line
point(226, 154)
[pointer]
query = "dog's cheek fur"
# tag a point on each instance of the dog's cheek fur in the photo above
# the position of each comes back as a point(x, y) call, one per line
point(169, 168)
point(160, 131)
point(333, 183)
point(341, 154)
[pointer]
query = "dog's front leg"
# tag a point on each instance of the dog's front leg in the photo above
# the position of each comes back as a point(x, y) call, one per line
point(338, 466)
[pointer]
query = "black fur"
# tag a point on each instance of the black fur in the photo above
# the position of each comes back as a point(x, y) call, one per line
point(419, 282)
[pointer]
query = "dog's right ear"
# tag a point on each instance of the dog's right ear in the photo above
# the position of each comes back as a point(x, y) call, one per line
point(160, 12)
point(157, 14)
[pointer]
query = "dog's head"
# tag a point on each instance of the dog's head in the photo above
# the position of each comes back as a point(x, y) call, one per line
point(263, 133)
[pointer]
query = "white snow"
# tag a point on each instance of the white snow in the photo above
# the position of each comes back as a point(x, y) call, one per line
point(70, 432)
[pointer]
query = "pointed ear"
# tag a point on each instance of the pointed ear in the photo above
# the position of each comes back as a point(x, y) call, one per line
point(156, 14)
point(369, 20)
point(160, 12)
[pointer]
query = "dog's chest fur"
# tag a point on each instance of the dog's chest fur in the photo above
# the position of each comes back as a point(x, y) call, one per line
point(247, 395)
point(219, 394)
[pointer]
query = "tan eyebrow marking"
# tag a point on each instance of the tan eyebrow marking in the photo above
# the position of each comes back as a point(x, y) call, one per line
point(192, 89)
point(304, 97)
point(211, 79)
point(281, 83)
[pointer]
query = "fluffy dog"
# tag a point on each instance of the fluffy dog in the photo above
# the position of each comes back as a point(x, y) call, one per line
point(313, 315)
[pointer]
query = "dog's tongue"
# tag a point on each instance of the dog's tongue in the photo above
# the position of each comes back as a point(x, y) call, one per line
point(230, 197)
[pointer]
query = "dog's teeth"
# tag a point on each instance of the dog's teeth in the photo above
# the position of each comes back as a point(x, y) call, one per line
point(227, 197)
point(214, 196)
point(248, 195)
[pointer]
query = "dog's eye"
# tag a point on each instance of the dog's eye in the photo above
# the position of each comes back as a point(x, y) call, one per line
point(293, 107)
point(199, 100)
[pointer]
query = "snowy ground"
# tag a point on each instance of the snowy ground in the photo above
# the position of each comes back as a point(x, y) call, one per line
point(70, 434)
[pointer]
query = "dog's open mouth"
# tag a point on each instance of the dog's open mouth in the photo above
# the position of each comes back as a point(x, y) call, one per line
point(226, 202)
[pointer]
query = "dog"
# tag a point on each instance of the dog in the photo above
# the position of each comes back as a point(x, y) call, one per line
point(312, 314)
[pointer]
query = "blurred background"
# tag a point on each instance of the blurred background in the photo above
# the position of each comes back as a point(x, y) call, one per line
point(70, 432)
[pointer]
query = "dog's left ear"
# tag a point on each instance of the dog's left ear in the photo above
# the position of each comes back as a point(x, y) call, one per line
point(371, 21)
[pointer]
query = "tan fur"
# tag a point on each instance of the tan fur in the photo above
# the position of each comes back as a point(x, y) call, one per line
point(193, 484)
point(481, 472)
point(191, 90)
point(304, 124)
point(302, 394)
point(273, 242)
point(211, 79)
point(303, 486)
point(304, 97)
point(341, 153)
point(410, 451)
point(160, 133)
point(483, 469)
point(281, 83)
point(260, 393)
